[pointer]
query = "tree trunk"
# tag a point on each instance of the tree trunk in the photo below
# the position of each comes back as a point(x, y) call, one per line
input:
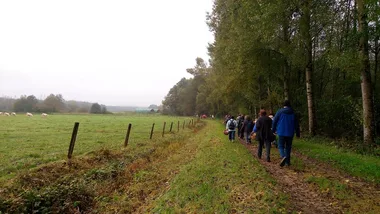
point(376, 62)
point(355, 16)
point(286, 85)
point(305, 27)
point(368, 110)
point(285, 29)
point(260, 81)
point(377, 49)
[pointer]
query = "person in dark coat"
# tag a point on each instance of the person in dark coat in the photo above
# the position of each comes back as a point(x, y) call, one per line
point(264, 134)
point(241, 129)
point(248, 126)
point(285, 124)
point(240, 123)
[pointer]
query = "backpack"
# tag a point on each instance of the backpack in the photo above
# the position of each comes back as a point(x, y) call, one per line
point(231, 126)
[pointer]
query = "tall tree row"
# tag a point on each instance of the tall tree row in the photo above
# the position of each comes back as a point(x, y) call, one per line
point(322, 55)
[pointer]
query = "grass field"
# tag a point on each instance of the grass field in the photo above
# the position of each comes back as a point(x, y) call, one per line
point(194, 171)
point(26, 142)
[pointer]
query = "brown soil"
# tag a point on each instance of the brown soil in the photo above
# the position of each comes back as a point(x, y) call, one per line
point(362, 197)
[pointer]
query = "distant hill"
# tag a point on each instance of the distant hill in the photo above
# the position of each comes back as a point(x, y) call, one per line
point(121, 108)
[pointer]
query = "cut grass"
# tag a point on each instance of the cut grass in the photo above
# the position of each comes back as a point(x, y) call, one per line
point(366, 167)
point(223, 178)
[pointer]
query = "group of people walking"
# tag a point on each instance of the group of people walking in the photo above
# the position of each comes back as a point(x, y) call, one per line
point(267, 129)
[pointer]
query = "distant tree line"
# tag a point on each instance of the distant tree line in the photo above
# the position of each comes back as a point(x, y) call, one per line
point(51, 104)
point(322, 55)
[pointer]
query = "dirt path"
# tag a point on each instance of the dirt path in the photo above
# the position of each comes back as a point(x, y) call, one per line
point(305, 197)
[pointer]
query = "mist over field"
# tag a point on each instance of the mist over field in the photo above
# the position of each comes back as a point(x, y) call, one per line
point(119, 53)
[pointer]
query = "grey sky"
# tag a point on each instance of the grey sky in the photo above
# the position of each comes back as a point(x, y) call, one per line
point(115, 52)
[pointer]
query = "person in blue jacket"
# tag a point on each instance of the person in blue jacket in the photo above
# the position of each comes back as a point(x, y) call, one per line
point(285, 124)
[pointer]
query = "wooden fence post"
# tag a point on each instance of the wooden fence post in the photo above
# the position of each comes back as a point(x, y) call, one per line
point(127, 136)
point(189, 123)
point(72, 142)
point(171, 127)
point(183, 126)
point(178, 126)
point(163, 130)
point(151, 132)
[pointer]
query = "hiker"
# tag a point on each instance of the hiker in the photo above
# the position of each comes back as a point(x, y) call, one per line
point(231, 127)
point(285, 124)
point(247, 129)
point(237, 120)
point(275, 136)
point(226, 118)
point(240, 125)
point(264, 134)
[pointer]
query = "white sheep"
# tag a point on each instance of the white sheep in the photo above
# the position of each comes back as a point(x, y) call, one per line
point(7, 114)
point(44, 115)
point(13, 113)
point(1, 113)
point(29, 114)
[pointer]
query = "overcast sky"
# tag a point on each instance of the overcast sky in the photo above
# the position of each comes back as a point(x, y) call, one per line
point(115, 52)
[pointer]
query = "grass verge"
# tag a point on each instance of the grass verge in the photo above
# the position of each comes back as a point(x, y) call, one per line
point(222, 178)
point(366, 167)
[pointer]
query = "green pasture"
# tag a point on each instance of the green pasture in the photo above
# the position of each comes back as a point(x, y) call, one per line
point(26, 142)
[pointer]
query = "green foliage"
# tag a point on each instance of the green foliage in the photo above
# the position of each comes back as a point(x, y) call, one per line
point(186, 97)
point(260, 55)
point(334, 115)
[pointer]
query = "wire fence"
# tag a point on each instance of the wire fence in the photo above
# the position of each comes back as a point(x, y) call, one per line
point(174, 127)
point(28, 142)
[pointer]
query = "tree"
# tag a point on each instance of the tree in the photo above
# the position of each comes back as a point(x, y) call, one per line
point(7, 103)
point(182, 98)
point(25, 104)
point(307, 40)
point(153, 106)
point(366, 86)
point(72, 106)
point(260, 47)
point(104, 109)
point(53, 103)
point(96, 109)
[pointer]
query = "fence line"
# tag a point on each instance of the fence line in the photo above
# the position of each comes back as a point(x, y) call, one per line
point(127, 136)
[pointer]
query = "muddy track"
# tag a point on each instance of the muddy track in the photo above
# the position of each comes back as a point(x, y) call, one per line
point(306, 198)
point(303, 198)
